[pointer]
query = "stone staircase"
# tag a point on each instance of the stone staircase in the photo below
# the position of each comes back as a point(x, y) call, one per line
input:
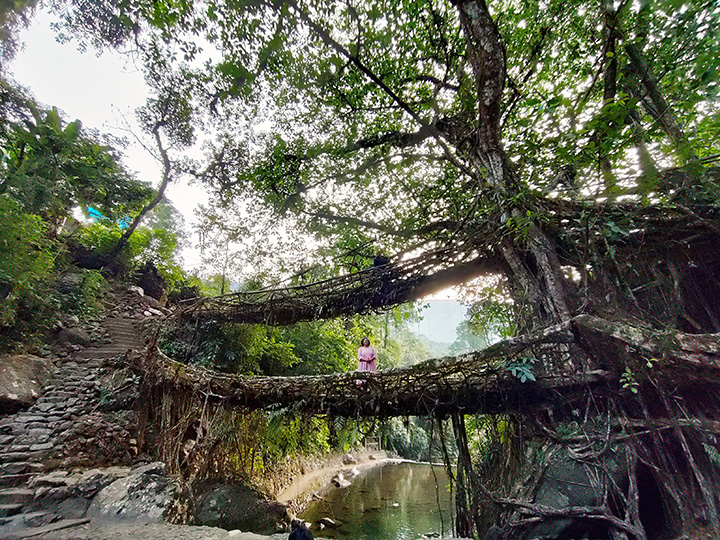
point(28, 438)
point(124, 335)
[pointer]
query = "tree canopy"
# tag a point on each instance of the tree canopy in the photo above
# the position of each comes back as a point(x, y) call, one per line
point(568, 148)
point(369, 116)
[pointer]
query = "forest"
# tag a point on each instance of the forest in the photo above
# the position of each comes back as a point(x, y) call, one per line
point(557, 161)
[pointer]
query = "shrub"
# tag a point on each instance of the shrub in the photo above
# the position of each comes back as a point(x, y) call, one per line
point(26, 260)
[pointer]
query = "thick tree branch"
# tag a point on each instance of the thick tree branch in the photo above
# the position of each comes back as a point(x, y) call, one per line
point(325, 36)
point(656, 105)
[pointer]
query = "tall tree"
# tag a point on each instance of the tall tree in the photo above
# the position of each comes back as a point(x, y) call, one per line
point(572, 142)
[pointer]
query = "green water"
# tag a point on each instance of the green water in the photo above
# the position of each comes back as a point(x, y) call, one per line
point(397, 501)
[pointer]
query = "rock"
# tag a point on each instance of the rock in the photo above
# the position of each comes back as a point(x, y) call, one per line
point(327, 522)
point(53, 479)
point(135, 289)
point(76, 336)
point(349, 459)
point(73, 507)
point(42, 447)
point(371, 457)
point(141, 497)
point(235, 506)
point(22, 378)
point(350, 473)
point(73, 320)
point(339, 481)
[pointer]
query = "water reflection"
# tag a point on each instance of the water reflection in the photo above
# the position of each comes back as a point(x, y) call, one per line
point(397, 501)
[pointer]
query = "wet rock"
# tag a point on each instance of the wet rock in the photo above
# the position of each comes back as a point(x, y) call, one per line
point(142, 497)
point(236, 506)
point(22, 378)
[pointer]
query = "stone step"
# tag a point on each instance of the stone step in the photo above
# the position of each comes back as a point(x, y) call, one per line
point(6, 439)
point(124, 330)
point(20, 456)
point(16, 495)
point(15, 480)
point(57, 393)
point(16, 448)
point(47, 529)
point(30, 520)
point(10, 509)
point(14, 467)
point(41, 447)
point(25, 418)
point(105, 355)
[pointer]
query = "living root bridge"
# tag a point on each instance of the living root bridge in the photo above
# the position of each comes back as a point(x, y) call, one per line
point(359, 292)
point(479, 382)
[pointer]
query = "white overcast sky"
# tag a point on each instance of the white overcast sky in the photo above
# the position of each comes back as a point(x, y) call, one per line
point(100, 91)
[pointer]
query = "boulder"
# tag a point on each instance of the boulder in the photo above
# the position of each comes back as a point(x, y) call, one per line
point(76, 336)
point(22, 378)
point(236, 506)
point(68, 495)
point(349, 459)
point(571, 482)
point(152, 283)
point(137, 290)
point(339, 481)
point(142, 497)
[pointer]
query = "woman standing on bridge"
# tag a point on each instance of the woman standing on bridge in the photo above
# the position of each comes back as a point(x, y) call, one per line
point(367, 355)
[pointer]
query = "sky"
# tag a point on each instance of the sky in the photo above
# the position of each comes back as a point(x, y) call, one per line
point(103, 91)
point(440, 320)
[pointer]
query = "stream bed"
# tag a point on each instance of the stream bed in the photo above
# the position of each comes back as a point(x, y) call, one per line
point(395, 501)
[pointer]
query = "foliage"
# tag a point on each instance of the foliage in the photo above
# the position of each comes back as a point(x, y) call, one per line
point(467, 340)
point(406, 439)
point(156, 245)
point(417, 438)
point(51, 166)
point(78, 292)
point(258, 445)
point(492, 314)
point(245, 349)
point(26, 261)
point(344, 148)
point(522, 368)
point(14, 15)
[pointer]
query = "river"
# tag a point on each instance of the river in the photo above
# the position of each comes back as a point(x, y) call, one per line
point(394, 501)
